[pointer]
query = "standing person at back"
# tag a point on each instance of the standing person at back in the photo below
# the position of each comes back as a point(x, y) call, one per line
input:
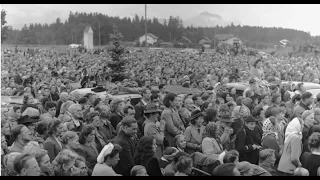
point(306, 101)
point(125, 140)
point(141, 107)
point(174, 125)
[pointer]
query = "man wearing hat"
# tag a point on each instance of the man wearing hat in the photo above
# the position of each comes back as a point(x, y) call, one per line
point(246, 142)
point(29, 122)
point(224, 130)
point(252, 86)
point(152, 127)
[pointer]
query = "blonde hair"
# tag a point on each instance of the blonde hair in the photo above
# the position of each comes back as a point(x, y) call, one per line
point(135, 170)
point(68, 135)
point(65, 156)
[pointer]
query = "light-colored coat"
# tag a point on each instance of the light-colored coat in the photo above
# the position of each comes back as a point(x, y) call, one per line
point(211, 146)
point(150, 129)
point(174, 125)
point(193, 138)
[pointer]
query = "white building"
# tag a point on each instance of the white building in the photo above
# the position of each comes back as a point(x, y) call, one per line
point(151, 38)
point(230, 39)
point(88, 38)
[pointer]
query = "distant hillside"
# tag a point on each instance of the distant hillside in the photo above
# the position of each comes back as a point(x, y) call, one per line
point(71, 31)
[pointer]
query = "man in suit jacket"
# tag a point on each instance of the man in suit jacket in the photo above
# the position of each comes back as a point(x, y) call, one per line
point(125, 140)
point(52, 144)
point(141, 107)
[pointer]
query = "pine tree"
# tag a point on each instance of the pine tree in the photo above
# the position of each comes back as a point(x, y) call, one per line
point(117, 51)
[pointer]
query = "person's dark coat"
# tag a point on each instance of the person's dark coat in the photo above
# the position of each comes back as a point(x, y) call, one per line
point(107, 131)
point(152, 166)
point(52, 146)
point(139, 115)
point(89, 154)
point(54, 97)
point(126, 161)
point(115, 118)
point(59, 104)
point(245, 138)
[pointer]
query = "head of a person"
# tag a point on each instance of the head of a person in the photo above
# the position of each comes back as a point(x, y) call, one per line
point(43, 160)
point(180, 141)
point(257, 63)
point(50, 107)
point(21, 133)
point(307, 98)
point(316, 114)
point(211, 130)
point(245, 168)
point(226, 169)
point(117, 105)
point(184, 165)
point(231, 156)
point(71, 139)
point(276, 98)
point(146, 148)
point(53, 89)
point(129, 126)
point(129, 110)
point(314, 141)
point(300, 171)
point(296, 98)
point(170, 100)
point(197, 100)
point(55, 128)
point(189, 104)
point(16, 111)
point(26, 165)
point(277, 113)
point(81, 164)
point(146, 93)
point(64, 96)
point(267, 156)
point(5, 127)
point(138, 170)
point(42, 128)
point(250, 122)
point(87, 134)
point(64, 163)
point(76, 110)
point(94, 119)
point(162, 88)
point(28, 99)
point(197, 118)
point(109, 155)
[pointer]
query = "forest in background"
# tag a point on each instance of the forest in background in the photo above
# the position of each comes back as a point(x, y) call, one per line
point(71, 31)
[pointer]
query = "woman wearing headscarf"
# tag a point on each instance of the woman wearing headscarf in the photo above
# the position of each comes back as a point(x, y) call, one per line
point(270, 136)
point(290, 158)
point(108, 158)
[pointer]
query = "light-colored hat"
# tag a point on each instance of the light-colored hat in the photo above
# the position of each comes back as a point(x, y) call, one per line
point(107, 149)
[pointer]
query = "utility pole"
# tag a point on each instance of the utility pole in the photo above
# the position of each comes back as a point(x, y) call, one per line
point(145, 24)
point(99, 33)
point(170, 36)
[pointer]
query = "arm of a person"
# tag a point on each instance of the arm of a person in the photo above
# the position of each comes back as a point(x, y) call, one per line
point(295, 151)
point(224, 138)
point(126, 160)
point(240, 144)
point(188, 136)
point(170, 127)
point(49, 146)
point(272, 144)
point(152, 131)
point(138, 109)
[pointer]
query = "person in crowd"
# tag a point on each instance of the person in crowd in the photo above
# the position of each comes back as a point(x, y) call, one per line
point(308, 118)
point(257, 70)
point(174, 125)
point(225, 130)
point(180, 142)
point(171, 169)
point(94, 119)
point(227, 169)
point(88, 148)
point(311, 160)
point(193, 133)
point(128, 110)
point(238, 115)
point(138, 170)
point(70, 139)
point(125, 140)
point(52, 144)
point(245, 142)
point(50, 107)
point(145, 155)
point(64, 164)
point(26, 165)
point(43, 160)
point(300, 171)
point(108, 158)
point(64, 97)
point(141, 107)
point(116, 108)
point(54, 95)
point(270, 136)
point(210, 116)
point(231, 157)
point(151, 128)
point(292, 150)
point(65, 115)
point(184, 166)
point(267, 159)
point(13, 115)
point(28, 101)
point(81, 164)
point(306, 101)
point(167, 157)
point(211, 143)
point(245, 168)
point(20, 135)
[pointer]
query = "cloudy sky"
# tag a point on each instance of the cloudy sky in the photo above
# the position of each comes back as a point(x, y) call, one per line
point(303, 17)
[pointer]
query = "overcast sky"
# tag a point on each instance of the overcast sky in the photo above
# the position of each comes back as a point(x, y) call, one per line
point(299, 16)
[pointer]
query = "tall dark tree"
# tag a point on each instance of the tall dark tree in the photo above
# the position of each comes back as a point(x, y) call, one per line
point(4, 29)
point(117, 52)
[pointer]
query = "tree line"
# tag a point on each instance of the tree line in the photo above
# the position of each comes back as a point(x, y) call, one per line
point(171, 30)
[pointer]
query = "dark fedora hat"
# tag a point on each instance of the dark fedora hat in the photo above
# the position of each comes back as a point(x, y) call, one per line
point(225, 117)
point(25, 120)
point(196, 114)
point(250, 119)
point(151, 108)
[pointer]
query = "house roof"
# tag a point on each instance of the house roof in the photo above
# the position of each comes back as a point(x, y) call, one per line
point(87, 29)
point(222, 37)
point(151, 35)
point(207, 40)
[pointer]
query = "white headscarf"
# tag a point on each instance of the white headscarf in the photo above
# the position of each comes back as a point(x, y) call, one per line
point(107, 149)
point(293, 129)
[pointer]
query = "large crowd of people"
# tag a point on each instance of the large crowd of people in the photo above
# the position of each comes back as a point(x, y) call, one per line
point(219, 131)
